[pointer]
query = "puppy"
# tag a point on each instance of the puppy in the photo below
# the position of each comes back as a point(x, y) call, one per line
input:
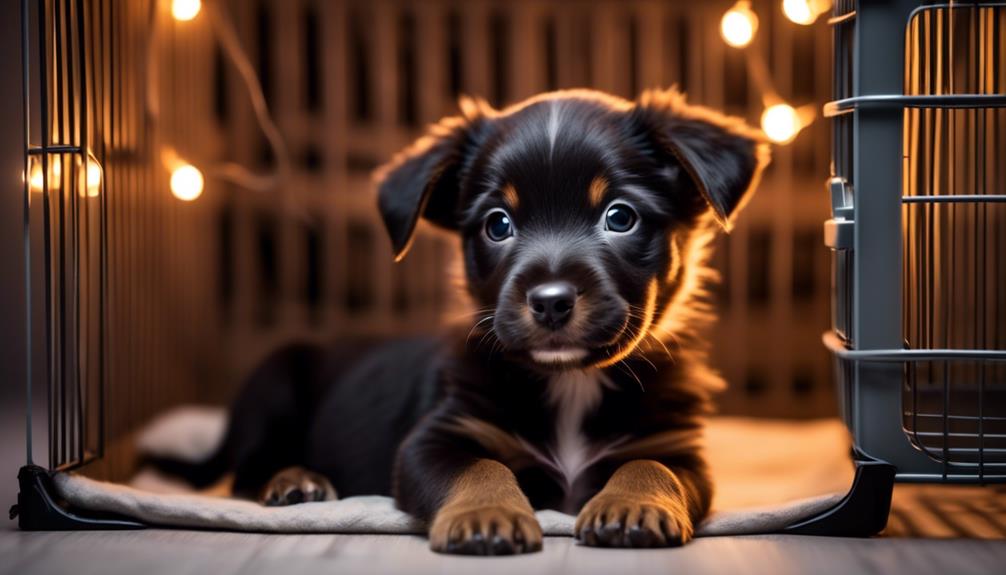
point(579, 385)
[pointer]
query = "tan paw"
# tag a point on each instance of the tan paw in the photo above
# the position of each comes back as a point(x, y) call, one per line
point(620, 521)
point(486, 530)
point(296, 485)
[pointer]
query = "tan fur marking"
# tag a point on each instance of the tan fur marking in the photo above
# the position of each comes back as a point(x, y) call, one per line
point(510, 197)
point(485, 482)
point(485, 499)
point(598, 187)
point(642, 493)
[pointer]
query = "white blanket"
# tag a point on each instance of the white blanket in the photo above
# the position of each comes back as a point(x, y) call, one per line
point(768, 475)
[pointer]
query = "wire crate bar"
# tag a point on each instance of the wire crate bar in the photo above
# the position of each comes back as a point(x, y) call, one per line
point(918, 237)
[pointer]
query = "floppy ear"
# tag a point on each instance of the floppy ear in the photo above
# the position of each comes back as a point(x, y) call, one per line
point(423, 179)
point(723, 156)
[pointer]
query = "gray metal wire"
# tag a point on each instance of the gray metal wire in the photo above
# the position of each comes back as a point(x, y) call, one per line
point(949, 376)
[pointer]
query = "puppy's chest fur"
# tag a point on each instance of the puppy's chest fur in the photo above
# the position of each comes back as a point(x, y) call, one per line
point(574, 395)
point(577, 425)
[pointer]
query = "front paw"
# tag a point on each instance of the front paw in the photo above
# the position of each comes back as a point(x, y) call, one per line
point(485, 530)
point(625, 521)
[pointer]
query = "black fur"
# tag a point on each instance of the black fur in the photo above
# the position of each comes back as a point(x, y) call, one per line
point(407, 418)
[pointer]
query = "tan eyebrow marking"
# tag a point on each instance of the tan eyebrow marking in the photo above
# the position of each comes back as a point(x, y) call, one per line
point(510, 196)
point(598, 187)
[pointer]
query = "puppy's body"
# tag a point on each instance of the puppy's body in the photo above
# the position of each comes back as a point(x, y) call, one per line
point(344, 414)
point(579, 386)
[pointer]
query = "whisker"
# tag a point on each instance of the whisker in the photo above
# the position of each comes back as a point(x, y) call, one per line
point(639, 382)
point(490, 333)
point(497, 345)
point(474, 327)
point(662, 344)
point(644, 358)
point(470, 313)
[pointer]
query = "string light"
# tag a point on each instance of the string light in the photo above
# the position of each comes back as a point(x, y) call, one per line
point(185, 10)
point(739, 25)
point(805, 12)
point(37, 180)
point(186, 182)
point(780, 123)
point(88, 181)
point(91, 186)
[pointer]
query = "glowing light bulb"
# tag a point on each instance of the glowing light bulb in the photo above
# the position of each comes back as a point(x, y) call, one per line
point(798, 11)
point(804, 12)
point(186, 182)
point(185, 10)
point(92, 179)
point(781, 123)
point(739, 25)
point(36, 179)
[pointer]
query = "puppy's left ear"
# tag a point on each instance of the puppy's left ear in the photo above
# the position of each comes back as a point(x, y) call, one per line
point(723, 156)
point(424, 179)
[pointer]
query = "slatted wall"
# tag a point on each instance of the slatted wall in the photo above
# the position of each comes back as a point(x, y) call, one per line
point(170, 302)
point(350, 82)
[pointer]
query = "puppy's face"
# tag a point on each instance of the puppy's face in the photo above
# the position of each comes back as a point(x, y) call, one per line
point(578, 213)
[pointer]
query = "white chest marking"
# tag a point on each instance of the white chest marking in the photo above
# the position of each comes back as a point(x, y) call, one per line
point(574, 395)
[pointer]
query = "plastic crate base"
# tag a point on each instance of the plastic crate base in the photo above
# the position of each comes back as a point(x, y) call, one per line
point(39, 508)
point(862, 512)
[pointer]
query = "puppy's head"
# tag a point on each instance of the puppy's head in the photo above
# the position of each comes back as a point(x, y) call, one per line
point(582, 217)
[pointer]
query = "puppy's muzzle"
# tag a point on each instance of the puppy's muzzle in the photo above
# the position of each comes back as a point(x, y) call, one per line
point(552, 304)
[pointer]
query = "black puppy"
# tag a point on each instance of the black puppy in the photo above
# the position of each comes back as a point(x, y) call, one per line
point(585, 222)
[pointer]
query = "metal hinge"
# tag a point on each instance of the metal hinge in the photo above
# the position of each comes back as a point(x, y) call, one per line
point(838, 231)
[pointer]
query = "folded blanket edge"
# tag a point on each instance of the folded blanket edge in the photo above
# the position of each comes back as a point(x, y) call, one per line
point(362, 514)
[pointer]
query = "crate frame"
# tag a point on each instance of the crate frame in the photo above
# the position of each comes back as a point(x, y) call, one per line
point(867, 340)
point(874, 108)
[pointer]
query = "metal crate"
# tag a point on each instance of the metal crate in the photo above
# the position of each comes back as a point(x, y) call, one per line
point(918, 196)
point(924, 399)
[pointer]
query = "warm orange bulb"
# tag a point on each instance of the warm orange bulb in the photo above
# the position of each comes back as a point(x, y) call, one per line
point(781, 123)
point(186, 182)
point(804, 12)
point(185, 10)
point(36, 179)
point(739, 25)
point(91, 187)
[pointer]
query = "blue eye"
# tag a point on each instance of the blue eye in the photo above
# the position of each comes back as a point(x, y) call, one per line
point(498, 226)
point(619, 218)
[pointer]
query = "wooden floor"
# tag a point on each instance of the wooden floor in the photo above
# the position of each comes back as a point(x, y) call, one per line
point(176, 552)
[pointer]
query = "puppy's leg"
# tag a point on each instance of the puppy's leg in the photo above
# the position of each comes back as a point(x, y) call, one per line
point(296, 485)
point(472, 503)
point(645, 504)
point(485, 513)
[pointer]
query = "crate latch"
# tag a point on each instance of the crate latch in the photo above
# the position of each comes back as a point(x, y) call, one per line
point(838, 230)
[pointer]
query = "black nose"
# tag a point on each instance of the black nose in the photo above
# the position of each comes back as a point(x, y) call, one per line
point(552, 303)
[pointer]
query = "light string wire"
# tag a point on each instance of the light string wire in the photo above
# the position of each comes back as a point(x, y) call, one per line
point(232, 172)
point(739, 29)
